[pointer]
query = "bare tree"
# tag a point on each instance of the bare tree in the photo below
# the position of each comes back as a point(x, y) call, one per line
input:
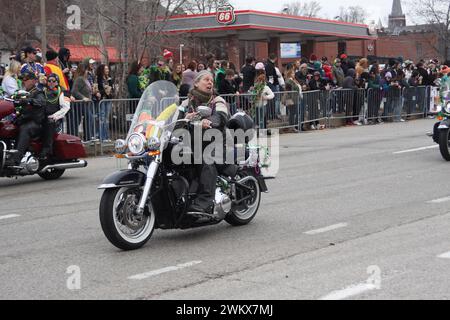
point(352, 14)
point(138, 27)
point(202, 6)
point(18, 26)
point(436, 13)
point(309, 9)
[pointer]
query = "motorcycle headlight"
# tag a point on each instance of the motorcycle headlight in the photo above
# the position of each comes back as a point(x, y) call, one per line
point(136, 143)
point(120, 146)
point(154, 144)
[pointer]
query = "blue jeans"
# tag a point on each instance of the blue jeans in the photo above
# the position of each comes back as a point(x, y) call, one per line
point(104, 112)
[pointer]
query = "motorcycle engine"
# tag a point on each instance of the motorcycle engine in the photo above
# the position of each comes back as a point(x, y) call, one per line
point(29, 164)
point(222, 204)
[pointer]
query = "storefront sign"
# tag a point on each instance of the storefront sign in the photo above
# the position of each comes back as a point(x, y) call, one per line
point(226, 15)
point(91, 40)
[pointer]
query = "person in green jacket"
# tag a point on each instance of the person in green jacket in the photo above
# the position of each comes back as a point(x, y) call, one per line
point(134, 92)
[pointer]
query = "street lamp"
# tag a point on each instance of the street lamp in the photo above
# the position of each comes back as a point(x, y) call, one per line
point(181, 53)
point(43, 29)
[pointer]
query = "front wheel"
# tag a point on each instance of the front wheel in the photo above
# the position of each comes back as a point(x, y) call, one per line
point(123, 227)
point(444, 144)
point(246, 212)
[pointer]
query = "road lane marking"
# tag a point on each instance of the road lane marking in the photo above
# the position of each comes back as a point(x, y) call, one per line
point(153, 273)
point(441, 200)
point(417, 149)
point(9, 216)
point(349, 291)
point(326, 229)
point(445, 255)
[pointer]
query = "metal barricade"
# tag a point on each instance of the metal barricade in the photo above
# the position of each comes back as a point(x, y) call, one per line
point(415, 101)
point(314, 107)
point(80, 120)
point(347, 104)
point(114, 120)
point(104, 122)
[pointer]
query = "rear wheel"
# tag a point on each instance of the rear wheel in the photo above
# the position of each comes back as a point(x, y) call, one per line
point(52, 174)
point(123, 227)
point(244, 213)
point(444, 144)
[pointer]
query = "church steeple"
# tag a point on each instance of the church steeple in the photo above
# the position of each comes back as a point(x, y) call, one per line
point(397, 18)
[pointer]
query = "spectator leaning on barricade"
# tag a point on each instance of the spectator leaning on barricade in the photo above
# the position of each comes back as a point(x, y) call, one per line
point(261, 95)
point(317, 83)
point(230, 88)
point(302, 76)
point(273, 107)
point(350, 83)
point(105, 87)
point(292, 99)
point(82, 91)
point(248, 74)
point(338, 73)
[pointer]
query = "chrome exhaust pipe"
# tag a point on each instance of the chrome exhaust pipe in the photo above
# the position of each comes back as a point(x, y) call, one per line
point(64, 166)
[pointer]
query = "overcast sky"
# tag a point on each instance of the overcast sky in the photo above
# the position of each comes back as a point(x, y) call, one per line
point(330, 9)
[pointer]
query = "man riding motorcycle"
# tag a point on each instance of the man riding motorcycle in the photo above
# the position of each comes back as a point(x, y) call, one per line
point(203, 95)
point(30, 118)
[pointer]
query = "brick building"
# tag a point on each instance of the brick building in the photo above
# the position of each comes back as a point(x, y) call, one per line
point(259, 33)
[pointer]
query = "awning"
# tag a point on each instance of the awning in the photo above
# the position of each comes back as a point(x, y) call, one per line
point(79, 53)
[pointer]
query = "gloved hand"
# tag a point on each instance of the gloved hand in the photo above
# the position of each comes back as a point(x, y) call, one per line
point(53, 118)
point(25, 101)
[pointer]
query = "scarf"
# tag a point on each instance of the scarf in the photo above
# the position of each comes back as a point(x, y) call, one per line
point(199, 98)
point(52, 96)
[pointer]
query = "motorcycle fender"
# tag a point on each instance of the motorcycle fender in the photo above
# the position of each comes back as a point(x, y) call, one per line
point(262, 184)
point(124, 178)
point(444, 125)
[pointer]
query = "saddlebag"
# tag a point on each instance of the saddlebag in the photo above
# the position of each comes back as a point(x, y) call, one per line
point(68, 147)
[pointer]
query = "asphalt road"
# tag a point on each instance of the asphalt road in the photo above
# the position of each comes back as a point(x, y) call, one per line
point(348, 217)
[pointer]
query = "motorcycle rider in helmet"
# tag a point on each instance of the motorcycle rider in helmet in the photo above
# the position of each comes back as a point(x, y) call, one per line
point(31, 118)
point(203, 95)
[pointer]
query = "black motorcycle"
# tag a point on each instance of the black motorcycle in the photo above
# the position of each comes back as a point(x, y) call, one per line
point(154, 193)
point(441, 130)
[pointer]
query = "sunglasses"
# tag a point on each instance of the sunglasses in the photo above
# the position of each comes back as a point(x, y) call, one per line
point(52, 81)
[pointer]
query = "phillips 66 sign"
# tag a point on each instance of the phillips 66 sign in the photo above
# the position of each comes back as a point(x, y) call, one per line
point(226, 15)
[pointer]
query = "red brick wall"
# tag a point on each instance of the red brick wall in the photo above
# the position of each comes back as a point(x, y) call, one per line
point(327, 49)
point(412, 46)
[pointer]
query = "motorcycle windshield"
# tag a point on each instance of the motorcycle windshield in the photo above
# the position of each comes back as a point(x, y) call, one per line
point(156, 110)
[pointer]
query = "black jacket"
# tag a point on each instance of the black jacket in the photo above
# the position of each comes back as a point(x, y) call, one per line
point(249, 74)
point(271, 73)
point(33, 108)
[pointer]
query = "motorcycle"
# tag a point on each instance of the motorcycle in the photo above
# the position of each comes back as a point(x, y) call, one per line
point(441, 129)
point(155, 193)
point(67, 150)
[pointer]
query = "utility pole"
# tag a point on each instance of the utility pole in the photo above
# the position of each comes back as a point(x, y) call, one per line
point(43, 29)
